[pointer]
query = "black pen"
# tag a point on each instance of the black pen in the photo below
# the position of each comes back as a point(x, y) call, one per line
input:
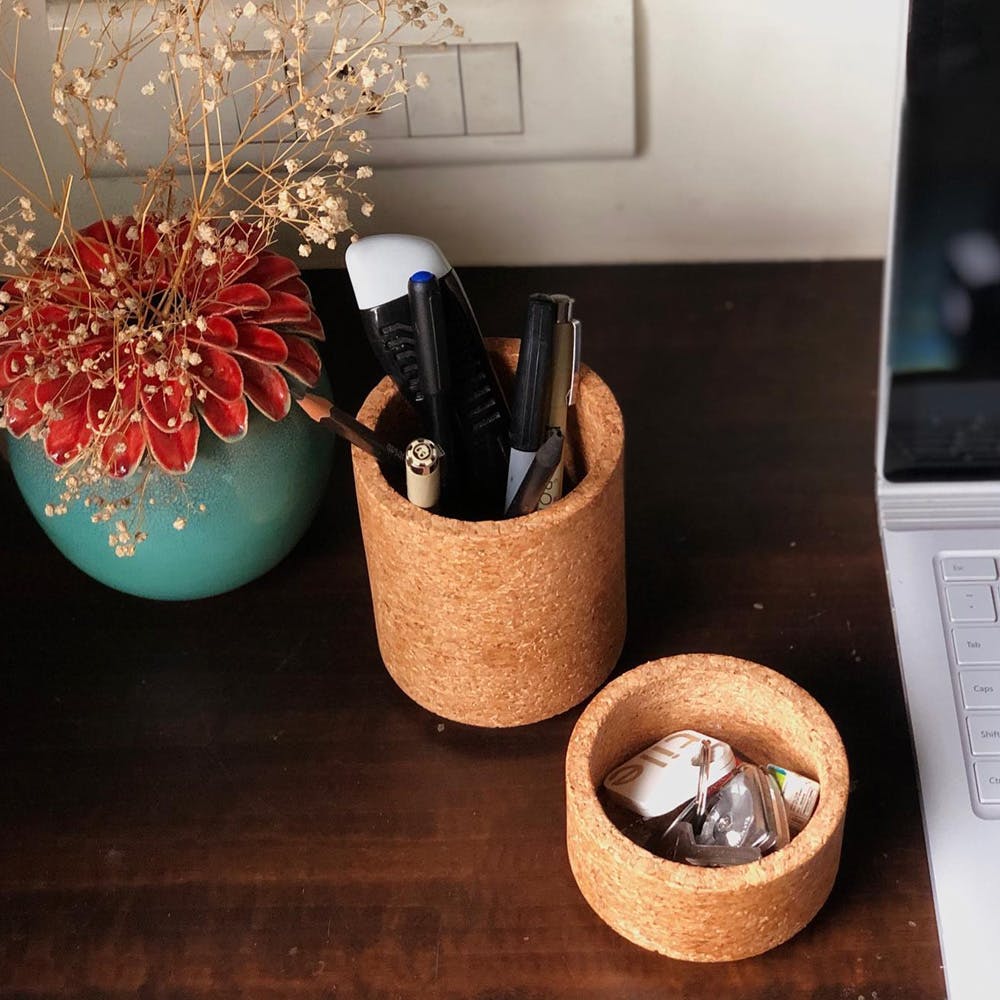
point(341, 423)
point(434, 370)
point(530, 406)
point(545, 462)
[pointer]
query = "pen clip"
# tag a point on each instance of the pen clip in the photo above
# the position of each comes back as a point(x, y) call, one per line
point(577, 350)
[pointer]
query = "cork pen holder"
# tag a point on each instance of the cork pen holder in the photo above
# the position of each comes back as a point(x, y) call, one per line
point(686, 912)
point(500, 623)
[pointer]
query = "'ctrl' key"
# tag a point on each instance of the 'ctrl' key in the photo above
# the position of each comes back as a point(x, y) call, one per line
point(988, 781)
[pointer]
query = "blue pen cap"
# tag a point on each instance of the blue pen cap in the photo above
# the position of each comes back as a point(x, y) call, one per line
point(422, 277)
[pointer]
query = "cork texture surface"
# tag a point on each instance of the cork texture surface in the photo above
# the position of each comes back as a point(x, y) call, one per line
point(501, 623)
point(703, 914)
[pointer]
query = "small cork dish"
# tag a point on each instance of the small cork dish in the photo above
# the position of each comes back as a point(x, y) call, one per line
point(686, 912)
point(500, 623)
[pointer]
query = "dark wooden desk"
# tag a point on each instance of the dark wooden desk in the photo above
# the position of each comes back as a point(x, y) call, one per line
point(231, 797)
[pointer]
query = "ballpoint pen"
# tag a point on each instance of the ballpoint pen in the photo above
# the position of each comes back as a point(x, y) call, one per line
point(565, 365)
point(531, 383)
point(434, 373)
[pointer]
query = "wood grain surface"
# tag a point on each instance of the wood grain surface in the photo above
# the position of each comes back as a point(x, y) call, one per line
point(232, 798)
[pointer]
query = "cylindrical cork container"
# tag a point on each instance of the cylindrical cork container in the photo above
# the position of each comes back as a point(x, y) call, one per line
point(687, 912)
point(500, 623)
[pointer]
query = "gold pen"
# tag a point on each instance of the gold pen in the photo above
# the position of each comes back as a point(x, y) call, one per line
point(565, 365)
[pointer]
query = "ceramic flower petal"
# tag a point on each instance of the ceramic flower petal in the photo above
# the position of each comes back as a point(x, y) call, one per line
point(70, 433)
point(53, 318)
point(145, 240)
point(99, 405)
point(302, 361)
point(13, 365)
point(272, 269)
point(266, 389)
point(20, 410)
point(220, 331)
point(311, 327)
point(294, 286)
point(238, 298)
point(236, 266)
point(165, 403)
point(219, 373)
point(226, 420)
point(122, 450)
point(173, 452)
point(285, 308)
point(93, 255)
point(61, 390)
point(261, 343)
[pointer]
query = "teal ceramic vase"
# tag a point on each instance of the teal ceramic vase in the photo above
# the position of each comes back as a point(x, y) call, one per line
point(238, 512)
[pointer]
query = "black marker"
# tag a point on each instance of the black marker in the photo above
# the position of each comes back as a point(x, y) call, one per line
point(531, 388)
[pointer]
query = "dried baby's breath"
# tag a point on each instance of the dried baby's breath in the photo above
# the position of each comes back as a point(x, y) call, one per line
point(304, 74)
point(262, 106)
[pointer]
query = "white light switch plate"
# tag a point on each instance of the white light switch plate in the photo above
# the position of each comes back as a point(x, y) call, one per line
point(576, 100)
point(577, 65)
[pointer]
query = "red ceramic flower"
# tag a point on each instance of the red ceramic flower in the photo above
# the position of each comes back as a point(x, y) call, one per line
point(115, 345)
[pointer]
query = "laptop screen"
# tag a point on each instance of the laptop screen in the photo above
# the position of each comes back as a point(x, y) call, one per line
point(944, 304)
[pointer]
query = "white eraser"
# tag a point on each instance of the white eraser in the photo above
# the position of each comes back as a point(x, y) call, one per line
point(665, 775)
point(380, 266)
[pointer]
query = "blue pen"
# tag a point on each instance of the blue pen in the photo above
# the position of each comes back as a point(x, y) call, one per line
point(433, 371)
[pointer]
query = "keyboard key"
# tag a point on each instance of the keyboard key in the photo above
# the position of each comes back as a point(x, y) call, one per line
point(976, 645)
point(981, 688)
point(988, 780)
point(969, 568)
point(972, 603)
point(984, 733)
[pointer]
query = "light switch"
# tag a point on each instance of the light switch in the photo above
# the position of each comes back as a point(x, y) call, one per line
point(436, 109)
point(491, 87)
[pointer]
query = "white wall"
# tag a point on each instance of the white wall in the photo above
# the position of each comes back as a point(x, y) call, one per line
point(765, 132)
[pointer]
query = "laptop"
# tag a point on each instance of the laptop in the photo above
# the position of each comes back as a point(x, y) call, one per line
point(938, 463)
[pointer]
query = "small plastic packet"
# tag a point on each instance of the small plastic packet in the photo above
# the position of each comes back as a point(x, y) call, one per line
point(748, 811)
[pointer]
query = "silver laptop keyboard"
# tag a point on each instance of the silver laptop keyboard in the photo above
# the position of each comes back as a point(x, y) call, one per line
point(968, 590)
